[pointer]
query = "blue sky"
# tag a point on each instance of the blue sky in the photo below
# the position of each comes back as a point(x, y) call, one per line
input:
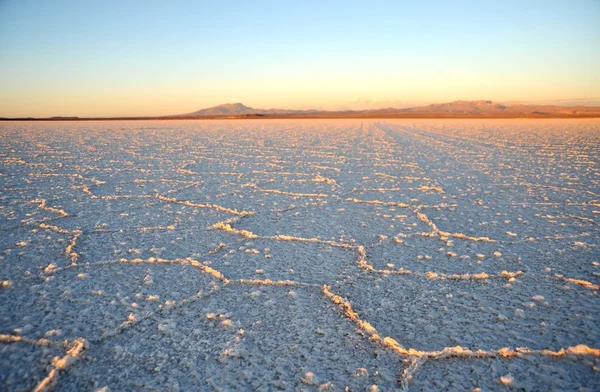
point(108, 58)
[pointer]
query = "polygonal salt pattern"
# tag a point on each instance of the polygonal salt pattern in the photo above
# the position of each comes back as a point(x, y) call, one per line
point(300, 255)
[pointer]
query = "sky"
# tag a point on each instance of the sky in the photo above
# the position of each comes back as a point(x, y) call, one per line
point(139, 58)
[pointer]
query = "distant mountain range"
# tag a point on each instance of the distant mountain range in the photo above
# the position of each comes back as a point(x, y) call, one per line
point(456, 109)
point(237, 109)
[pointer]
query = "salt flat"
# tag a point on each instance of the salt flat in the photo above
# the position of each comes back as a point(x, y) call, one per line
point(300, 255)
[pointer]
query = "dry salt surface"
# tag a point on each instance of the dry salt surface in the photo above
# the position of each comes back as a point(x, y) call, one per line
point(300, 255)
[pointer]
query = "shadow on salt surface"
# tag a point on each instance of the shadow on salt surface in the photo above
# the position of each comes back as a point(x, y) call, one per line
point(398, 184)
point(241, 338)
point(407, 197)
point(231, 165)
point(167, 244)
point(93, 301)
point(30, 212)
point(483, 314)
point(572, 260)
point(14, 213)
point(570, 257)
point(284, 260)
point(513, 222)
point(142, 187)
point(23, 366)
point(528, 374)
point(153, 215)
point(25, 253)
point(25, 180)
point(540, 257)
point(226, 195)
point(312, 184)
point(361, 223)
point(451, 256)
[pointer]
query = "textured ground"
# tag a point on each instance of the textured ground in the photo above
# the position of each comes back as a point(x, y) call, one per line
point(300, 255)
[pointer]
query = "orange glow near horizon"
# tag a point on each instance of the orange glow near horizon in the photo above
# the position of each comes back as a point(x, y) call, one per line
point(112, 58)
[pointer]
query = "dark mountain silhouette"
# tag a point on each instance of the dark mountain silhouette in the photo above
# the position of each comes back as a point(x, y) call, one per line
point(239, 109)
point(224, 110)
point(453, 109)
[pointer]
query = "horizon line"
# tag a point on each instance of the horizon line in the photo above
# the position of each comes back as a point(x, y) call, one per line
point(334, 112)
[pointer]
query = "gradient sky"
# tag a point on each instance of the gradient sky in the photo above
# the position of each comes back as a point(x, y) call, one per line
point(112, 58)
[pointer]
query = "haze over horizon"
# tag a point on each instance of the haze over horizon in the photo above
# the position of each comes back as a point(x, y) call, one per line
point(147, 58)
